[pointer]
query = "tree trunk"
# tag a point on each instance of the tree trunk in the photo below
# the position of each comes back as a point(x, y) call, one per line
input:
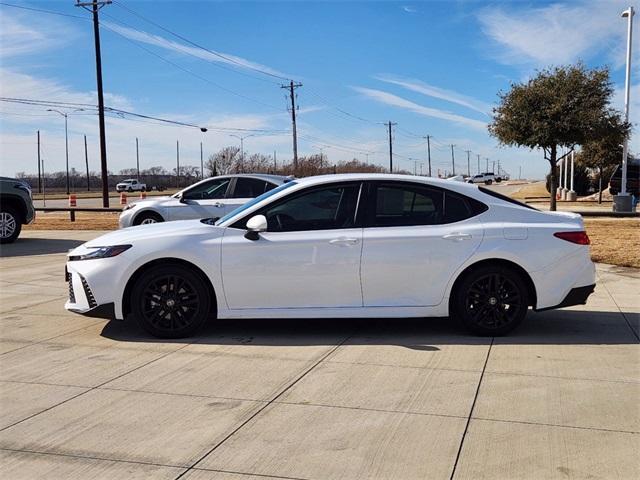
point(552, 179)
point(600, 185)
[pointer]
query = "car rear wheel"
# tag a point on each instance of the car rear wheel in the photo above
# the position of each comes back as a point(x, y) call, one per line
point(170, 301)
point(491, 301)
point(146, 218)
point(488, 182)
point(10, 225)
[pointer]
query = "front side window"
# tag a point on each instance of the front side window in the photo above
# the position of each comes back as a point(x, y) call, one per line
point(210, 190)
point(322, 208)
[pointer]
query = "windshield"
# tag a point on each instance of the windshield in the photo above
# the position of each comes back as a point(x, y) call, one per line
point(253, 202)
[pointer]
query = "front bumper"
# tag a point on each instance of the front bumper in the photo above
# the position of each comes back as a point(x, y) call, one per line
point(89, 295)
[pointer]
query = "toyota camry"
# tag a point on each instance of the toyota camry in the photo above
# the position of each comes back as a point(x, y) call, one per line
point(356, 245)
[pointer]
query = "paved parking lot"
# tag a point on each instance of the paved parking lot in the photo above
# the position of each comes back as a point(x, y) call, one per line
point(322, 399)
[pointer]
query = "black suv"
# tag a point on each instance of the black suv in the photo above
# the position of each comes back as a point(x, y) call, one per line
point(633, 178)
point(16, 208)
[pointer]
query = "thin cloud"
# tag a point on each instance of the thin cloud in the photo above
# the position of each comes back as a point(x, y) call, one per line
point(158, 41)
point(395, 101)
point(557, 33)
point(409, 9)
point(437, 92)
point(20, 36)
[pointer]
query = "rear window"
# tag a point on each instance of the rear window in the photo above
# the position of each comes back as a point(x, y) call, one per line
point(505, 198)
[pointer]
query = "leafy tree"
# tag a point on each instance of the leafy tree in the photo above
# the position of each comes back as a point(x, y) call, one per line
point(560, 107)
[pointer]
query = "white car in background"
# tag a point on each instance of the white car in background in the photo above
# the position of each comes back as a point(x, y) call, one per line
point(131, 185)
point(487, 178)
point(209, 198)
point(353, 245)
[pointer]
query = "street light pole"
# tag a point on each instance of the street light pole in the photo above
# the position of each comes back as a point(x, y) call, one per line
point(242, 137)
point(623, 203)
point(66, 141)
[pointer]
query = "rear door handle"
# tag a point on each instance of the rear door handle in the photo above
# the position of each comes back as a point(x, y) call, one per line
point(343, 241)
point(457, 237)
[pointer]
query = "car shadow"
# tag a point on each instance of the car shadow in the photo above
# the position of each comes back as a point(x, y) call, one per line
point(560, 327)
point(23, 247)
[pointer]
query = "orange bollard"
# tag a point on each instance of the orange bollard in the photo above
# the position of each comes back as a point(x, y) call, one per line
point(123, 199)
point(72, 200)
point(143, 195)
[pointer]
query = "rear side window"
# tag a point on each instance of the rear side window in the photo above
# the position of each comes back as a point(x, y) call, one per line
point(505, 198)
point(408, 205)
point(250, 187)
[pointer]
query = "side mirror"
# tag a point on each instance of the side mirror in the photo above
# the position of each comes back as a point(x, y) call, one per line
point(255, 225)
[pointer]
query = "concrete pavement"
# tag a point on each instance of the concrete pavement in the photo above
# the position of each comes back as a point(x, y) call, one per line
point(313, 399)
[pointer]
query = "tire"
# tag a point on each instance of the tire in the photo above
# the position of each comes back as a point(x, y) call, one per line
point(146, 218)
point(490, 301)
point(129, 189)
point(488, 182)
point(10, 225)
point(170, 301)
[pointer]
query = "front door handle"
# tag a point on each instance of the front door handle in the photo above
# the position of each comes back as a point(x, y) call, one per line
point(343, 241)
point(457, 237)
point(218, 205)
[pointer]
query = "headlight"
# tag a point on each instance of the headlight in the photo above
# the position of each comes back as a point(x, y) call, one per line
point(101, 252)
point(129, 206)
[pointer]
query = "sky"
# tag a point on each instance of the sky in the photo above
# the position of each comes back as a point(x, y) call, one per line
point(432, 68)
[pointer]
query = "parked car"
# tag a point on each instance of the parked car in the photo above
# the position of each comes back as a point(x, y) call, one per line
point(487, 178)
point(209, 198)
point(352, 245)
point(131, 185)
point(633, 179)
point(16, 208)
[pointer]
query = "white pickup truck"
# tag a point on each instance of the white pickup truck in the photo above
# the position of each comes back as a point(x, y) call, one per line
point(131, 185)
point(487, 178)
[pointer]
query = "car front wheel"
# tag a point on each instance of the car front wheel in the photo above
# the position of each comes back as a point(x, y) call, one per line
point(170, 301)
point(491, 301)
point(146, 218)
point(10, 225)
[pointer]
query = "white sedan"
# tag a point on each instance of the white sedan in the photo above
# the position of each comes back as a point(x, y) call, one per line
point(211, 197)
point(356, 245)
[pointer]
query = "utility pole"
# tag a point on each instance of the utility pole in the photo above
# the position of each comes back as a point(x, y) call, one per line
point(493, 166)
point(487, 166)
point(468, 162)
point(623, 199)
point(291, 87)
point(390, 147)
point(137, 159)
point(86, 163)
point(177, 164)
point(95, 6)
point(520, 172)
point(453, 160)
point(39, 174)
point(201, 163)
point(428, 137)
point(498, 166)
point(415, 167)
point(275, 162)
point(478, 164)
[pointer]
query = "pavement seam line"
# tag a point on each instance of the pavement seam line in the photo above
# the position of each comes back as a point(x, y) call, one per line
point(42, 341)
point(249, 474)
point(261, 409)
point(89, 389)
point(473, 405)
point(575, 427)
point(89, 457)
point(626, 320)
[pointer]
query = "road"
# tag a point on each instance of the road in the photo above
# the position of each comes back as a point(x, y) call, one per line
point(313, 399)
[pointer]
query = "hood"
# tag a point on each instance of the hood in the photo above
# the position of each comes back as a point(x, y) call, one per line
point(154, 200)
point(178, 230)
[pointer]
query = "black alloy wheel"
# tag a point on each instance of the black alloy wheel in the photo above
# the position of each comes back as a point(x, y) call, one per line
point(491, 301)
point(170, 301)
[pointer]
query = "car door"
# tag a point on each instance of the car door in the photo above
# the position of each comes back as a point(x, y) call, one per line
point(203, 200)
point(415, 237)
point(308, 257)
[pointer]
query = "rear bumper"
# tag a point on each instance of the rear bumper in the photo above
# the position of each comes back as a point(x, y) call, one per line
point(576, 296)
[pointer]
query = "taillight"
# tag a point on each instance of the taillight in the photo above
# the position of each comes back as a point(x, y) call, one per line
point(581, 238)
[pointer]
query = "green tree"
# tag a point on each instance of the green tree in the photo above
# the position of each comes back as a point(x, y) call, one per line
point(602, 155)
point(558, 108)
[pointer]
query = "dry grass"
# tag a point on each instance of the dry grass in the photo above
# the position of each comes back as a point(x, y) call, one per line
point(537, 189)
point(614, 240)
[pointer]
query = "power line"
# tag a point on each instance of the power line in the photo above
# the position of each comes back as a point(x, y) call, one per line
point(41, 10)
point(190, 42)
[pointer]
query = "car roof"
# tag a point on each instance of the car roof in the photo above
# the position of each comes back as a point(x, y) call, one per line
point(264, 176)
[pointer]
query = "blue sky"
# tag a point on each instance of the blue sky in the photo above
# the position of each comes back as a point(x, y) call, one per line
point(434, 68)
